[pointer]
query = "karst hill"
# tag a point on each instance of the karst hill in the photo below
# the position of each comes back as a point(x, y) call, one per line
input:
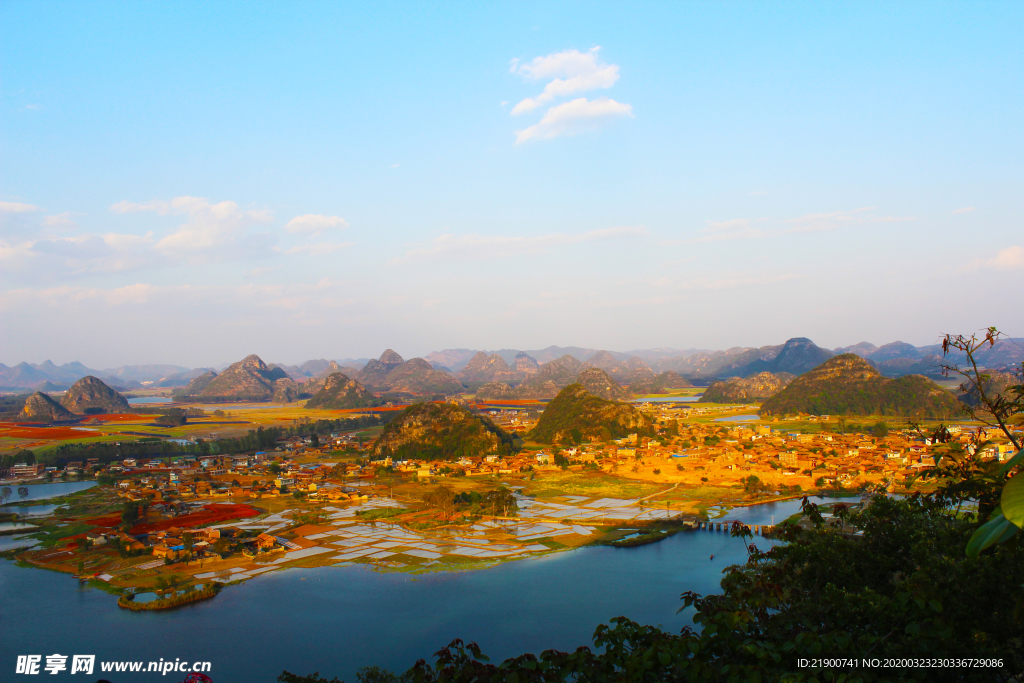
point(848, 385)
point(440, 431)
point(758, 387)
point(90, 395)
point(576, 414)
point(339, 392)
point(41, 408)
point(416, 376)
point(250, 379)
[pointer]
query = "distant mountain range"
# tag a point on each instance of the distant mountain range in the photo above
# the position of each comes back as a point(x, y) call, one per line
point(475, 367)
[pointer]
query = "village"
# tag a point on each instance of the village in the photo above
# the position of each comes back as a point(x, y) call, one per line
point(318, 500)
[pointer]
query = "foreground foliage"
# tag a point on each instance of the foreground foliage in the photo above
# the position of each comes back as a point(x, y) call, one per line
point(905, 588)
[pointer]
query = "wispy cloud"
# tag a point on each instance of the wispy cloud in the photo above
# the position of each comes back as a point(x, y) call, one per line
point(578, 116)
point(1010, 258)
point(313, 224)
point(571, 72)
point(743, 228)
point(819, 222)
point(568, 73)
point(318, 248)
point(60, 220)
point(209, 229)
point(17, 207)
point(500, 246)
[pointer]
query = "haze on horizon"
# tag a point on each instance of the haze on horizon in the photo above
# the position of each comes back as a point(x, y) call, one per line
point(188, 184)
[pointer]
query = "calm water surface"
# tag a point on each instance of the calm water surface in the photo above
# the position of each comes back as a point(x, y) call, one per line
point(44, 491)
point(337, 619)
point(149, 399)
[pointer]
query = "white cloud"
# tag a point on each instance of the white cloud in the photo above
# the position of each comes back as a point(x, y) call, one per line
point(260, 272)
point(60, 220)
point(319, 248)
point(743, 228)
point(208, 227)
point(817, 222)
point(62, 256)
point(17, 207)
point(571, 72)
point(578, 116)
point(500, 246)
point(314, 224)
point(1009, 258)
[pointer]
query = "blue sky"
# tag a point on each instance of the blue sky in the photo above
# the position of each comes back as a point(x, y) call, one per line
point(192, 182)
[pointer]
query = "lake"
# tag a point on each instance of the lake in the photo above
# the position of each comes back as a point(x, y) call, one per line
point(29, 510)
point(44, 491)
point(149, 399)
point(738, 418)
point(337, 619)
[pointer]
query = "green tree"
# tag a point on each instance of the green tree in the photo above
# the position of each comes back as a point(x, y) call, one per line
point(130, 514)
point(880, 429)
point(997, 488)
point(443, 498)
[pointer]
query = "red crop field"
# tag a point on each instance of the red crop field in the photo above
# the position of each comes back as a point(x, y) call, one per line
point(108, 521)
point(215, 512)
point(17, 431)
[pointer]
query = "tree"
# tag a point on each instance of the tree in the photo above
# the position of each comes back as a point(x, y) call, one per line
point(753, 484)
point(314, 441)
point(880, 429)
point(998, 489)
point(5, 493)
point(23, 492)
point(443, 498)
point(501, 502)
point(129, 515)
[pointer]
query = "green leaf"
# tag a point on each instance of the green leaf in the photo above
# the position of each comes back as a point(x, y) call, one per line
point(996, 530)
point(1012, 501)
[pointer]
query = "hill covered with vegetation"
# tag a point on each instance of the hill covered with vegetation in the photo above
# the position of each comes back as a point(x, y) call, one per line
point(576, 415)
point(250, 379)
point(746, 389)
point(39, 407)
point(848, 385)
point(598, 383)
point(440, 431)
point(338, 391)
point(90, 395)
